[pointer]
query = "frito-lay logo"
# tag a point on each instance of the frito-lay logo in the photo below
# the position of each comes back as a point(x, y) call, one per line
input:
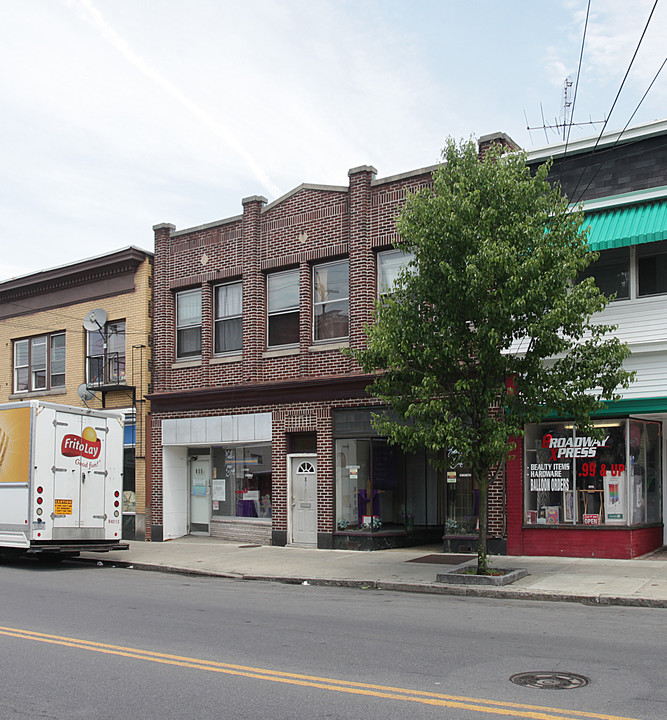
point(87, 445)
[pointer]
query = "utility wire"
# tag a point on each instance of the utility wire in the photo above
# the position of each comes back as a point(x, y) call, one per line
point(600, 166)
point(576, 85)
point(604, 126)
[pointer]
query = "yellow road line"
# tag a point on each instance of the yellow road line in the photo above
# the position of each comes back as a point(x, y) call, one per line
point(517, 710)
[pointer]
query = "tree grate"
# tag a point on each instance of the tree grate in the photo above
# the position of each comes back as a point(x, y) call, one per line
point(550, 680)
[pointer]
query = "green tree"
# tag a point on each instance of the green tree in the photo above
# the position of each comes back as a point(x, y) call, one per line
point(489, 315)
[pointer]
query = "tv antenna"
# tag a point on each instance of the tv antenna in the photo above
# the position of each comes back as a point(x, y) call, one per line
point(562, 126)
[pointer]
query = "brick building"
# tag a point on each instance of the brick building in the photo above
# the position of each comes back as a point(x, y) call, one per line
point(261, 426)
point(47, 353)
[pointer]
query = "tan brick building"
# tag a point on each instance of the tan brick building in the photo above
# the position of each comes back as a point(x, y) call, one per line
point(47, 353)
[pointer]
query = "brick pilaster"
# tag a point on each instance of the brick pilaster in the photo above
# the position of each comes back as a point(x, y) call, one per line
point(254, 304)
point(362, 260)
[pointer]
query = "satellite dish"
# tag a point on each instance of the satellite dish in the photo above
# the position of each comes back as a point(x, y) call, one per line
point(84, 393)
point(95, 320)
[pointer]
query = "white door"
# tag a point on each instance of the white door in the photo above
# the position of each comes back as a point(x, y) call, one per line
point(200, 494)
point(303, 480)
point(79, 476)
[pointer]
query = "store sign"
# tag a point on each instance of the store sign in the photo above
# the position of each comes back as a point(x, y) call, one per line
point(572, 447)
point(549, 476)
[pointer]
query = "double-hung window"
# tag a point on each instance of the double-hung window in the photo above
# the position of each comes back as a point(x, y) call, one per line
point(331, 300)
point(106, 354)
point(188, 324)
point(390, 265)
point(228, 323)
point(282, 291)
point(39, 363)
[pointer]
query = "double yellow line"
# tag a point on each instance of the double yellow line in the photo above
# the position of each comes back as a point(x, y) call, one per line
point(490, 707)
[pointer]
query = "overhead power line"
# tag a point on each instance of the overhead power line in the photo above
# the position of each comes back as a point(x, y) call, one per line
point(620, 89)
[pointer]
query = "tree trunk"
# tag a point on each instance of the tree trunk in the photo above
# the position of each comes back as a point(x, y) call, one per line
point(482, 477)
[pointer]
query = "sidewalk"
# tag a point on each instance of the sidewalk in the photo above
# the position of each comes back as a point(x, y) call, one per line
point(639, 582)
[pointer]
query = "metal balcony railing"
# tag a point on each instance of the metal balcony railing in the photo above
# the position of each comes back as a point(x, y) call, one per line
point(106, 370)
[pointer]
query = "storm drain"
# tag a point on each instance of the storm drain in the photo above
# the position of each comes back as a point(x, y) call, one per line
point(550, 680)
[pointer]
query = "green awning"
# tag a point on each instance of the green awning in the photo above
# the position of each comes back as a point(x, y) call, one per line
point(634, 406)
point(627, 407)
point(628, 225)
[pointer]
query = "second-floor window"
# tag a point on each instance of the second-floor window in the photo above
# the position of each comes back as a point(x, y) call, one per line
point(390, 265)
point(331, 300)
point(228, 323)
point(188, 324)
point(282, 292)
point(106, 354)
point(612, 272)
point(652, 268)
point(39, 363)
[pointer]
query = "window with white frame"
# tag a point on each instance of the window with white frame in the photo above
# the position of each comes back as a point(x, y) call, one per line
point(331, 300)
point(39, 363)
point(188, 324)
point(390, 263)
point(228, 322)
point(106, 354)
point(282, 293)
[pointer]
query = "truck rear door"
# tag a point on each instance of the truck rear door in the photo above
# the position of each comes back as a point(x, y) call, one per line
point(79, 476)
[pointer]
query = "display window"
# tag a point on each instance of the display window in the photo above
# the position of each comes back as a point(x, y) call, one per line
point(574, 478)
point(462, 503)
point(380, 488)
point(241, 481)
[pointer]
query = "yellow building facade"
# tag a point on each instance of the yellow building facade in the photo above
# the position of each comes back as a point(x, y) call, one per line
point(81, 335)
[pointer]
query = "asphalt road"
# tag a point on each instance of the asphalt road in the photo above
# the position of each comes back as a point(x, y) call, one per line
point(80, 641)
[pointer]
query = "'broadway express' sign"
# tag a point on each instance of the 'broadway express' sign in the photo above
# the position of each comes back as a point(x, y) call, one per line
point(557, 472)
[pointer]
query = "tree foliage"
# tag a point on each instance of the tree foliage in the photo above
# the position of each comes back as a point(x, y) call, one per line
point(489, 315)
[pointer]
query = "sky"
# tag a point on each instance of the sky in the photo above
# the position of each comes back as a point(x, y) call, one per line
point(117, 115)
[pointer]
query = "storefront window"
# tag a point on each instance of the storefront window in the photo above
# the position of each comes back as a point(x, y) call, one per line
point(369, 494)
point(462, 503)
point(574, 478)
point(646, 472)
point(241, 482)
point(380, 488)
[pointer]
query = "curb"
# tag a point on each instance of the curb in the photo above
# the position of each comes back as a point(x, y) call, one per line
point(497, 592)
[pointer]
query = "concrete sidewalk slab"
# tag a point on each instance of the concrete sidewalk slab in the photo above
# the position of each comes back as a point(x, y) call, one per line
point(640, 582)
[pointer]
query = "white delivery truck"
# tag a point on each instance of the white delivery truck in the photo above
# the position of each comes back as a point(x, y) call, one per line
point(61, 479)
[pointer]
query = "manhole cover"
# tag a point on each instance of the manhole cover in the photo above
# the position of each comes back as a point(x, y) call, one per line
point(550, 680)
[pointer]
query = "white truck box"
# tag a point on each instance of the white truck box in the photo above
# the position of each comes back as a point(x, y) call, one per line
point(61, 479)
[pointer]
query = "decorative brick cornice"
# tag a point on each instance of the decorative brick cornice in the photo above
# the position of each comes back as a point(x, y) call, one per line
point(333, 251)
point(81, 273)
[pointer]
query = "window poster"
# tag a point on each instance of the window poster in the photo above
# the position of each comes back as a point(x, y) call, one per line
point(218, 489)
